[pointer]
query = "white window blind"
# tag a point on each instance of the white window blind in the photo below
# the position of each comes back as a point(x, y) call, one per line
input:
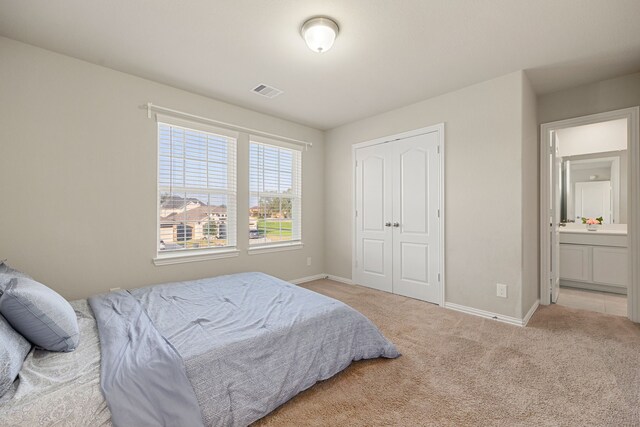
point(275, 194)
point(197, 187)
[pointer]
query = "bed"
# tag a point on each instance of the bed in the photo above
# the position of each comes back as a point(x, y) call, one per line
point(223, 351)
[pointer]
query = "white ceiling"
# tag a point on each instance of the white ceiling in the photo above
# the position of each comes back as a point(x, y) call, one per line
point(389, 53)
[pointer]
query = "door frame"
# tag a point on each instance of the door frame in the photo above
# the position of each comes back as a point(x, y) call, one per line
point(633, 199)
point(395, 137)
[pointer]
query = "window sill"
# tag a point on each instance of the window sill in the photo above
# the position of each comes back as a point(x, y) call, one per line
point(183, 257)
point(275, 248)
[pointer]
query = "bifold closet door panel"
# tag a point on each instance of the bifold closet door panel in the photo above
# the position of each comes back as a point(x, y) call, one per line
point(416, 235)
point(373, 218)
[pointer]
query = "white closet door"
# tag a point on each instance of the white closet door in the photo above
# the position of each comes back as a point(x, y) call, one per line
point(416, 231)
point(374, 210)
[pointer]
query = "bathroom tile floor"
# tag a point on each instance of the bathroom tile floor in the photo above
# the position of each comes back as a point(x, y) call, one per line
point(602, 302)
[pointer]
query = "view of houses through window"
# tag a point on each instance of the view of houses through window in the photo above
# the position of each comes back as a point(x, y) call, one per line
point(188, 222)
point(197, 189)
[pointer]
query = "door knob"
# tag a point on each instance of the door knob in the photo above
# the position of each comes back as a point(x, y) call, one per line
point(387, 224)
point(396, 224)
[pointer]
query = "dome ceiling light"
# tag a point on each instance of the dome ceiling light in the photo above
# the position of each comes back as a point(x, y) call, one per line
point(319, 33)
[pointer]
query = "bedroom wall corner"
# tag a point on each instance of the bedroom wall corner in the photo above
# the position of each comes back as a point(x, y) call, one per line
point(530, 199)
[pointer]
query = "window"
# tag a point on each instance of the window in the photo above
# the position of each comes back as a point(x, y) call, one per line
point(197, 189)
point(275, 195)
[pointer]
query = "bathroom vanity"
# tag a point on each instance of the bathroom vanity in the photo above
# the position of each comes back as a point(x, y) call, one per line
point(595, 260)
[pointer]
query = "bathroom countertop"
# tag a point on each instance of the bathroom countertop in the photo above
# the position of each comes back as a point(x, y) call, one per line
point(583, 230)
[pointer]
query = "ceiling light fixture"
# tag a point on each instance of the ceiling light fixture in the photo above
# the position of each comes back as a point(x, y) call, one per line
point(319, 32)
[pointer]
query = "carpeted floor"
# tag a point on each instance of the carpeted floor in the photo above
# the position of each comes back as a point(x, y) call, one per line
point(566, 368)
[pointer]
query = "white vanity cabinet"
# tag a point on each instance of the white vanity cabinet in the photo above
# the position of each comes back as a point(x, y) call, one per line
point(575, 262)
point(594, 261)
point(609, 266)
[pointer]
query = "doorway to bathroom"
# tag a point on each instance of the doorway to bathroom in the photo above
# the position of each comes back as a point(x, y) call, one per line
point(590, 213)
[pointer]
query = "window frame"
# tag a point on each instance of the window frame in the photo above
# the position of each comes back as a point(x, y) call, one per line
point(200, 254)
point(297, 186)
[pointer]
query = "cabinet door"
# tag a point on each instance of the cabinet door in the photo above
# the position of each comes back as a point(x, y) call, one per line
point(575, 262)
point(610, 266)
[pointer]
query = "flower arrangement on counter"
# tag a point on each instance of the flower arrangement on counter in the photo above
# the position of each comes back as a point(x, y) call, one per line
point(592, 221)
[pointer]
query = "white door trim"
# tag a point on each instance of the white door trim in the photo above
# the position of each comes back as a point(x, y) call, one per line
point(633, 224)
point(421, 131)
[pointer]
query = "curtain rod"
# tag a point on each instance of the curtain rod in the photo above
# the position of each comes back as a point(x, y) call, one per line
point(152, 107)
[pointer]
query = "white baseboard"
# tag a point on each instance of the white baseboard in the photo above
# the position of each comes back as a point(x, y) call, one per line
point(321, 276)
point(452, 306)
point(487, 314)
point(529, 314)
point(308, 279)
point(339, 279)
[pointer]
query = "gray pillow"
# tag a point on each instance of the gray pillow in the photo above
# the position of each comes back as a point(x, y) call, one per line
point(40, 315)
point(13, 349)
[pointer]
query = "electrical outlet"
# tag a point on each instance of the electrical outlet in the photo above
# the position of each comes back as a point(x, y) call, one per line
point(309, 261)
point(501, 290)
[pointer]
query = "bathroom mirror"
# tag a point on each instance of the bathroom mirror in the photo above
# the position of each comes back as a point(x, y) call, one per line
point(595, 185)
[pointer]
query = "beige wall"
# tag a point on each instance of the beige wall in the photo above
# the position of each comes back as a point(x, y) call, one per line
point(78, 176)
point(607, 95)
point(530, 199)
point(483, 179)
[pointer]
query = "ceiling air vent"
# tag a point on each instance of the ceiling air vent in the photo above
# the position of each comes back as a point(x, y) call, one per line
point(266, 91)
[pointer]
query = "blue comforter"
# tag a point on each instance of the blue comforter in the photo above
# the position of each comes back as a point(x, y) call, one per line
point(246, 343)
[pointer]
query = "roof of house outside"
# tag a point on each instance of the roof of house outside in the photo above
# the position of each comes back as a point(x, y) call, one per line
point(178, 202)
point(196, 214)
